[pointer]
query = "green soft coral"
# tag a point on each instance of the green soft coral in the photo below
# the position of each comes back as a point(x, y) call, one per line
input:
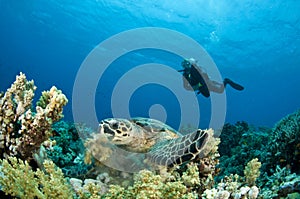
point(19, 180)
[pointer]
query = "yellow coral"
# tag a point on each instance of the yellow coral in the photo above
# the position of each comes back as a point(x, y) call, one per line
point(191, 176)
point(19, 180)
point(252, 171)
point(150, 186)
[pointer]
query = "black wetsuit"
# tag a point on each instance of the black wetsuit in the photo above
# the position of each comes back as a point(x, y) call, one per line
point(197, 80)
point(194, 76)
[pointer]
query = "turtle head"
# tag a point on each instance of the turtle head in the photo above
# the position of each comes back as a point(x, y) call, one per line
point(118, 131)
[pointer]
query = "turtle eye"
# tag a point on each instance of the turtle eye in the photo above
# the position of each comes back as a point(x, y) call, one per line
point(114, 125)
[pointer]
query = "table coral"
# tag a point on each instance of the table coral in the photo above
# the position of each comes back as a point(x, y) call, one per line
point(22, 131)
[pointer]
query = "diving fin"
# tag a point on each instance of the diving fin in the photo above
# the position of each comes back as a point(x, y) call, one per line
point(233, 84)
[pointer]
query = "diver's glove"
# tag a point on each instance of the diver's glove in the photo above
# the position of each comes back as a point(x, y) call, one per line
point(233, 84)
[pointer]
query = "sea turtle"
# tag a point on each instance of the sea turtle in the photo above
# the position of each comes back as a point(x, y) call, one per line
point(161, 144)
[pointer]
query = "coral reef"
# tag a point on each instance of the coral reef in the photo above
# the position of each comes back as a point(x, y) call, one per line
point(187, 180)
point(231, 136)
point(22, 131)
point(19, 180)
point(240, 143)
point(68, 151)
point(89, 188)
point(281, 183)
point(234, 186)
point(27, 133)
point(148, 185)
point(252, 171)
point(284, 144)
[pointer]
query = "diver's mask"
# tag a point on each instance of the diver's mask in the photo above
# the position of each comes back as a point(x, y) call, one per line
point(186, 64)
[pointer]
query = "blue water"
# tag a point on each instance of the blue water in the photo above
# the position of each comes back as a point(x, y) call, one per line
point(256, 43)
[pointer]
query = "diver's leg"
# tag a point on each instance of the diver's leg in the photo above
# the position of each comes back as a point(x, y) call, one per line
point(216, 87)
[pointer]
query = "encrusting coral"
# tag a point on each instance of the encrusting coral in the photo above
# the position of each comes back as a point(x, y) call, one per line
point(22, 131)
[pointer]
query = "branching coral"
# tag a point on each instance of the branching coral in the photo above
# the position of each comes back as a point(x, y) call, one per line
point(22, 131)
point(280, 184)
point(19, 180)
point(251, 171)
point(234, 186)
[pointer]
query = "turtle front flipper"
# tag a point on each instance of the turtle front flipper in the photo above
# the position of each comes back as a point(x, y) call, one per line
point(178, 151)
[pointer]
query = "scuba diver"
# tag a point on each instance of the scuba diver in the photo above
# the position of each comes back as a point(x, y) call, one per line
point(194, 78)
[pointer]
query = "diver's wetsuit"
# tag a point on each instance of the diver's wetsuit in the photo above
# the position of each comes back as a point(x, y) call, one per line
point(195, 79)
